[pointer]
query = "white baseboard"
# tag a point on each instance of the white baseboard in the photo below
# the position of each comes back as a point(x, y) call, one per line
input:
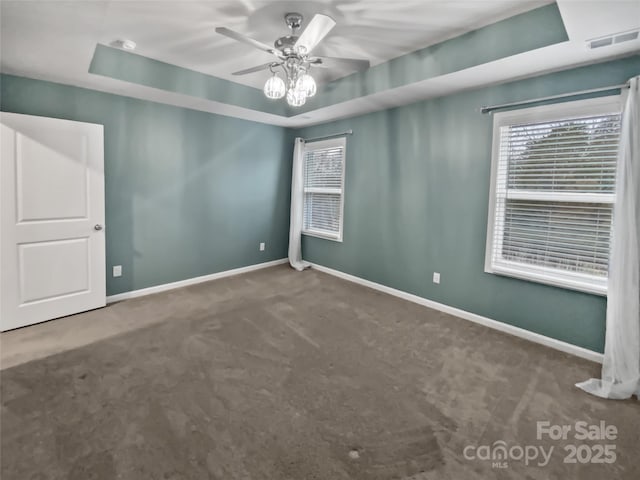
point(192, 281)
point(487, 322)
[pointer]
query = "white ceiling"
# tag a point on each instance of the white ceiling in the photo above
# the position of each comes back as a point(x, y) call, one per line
point(589, 19)
point(55, 40)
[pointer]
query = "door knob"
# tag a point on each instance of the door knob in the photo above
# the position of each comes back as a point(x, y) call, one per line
point(97, 227)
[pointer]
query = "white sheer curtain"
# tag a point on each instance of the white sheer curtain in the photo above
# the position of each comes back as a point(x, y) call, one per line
point(297, 199)
point(621, 366)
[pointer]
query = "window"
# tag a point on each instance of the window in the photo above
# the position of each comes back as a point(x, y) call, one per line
point(552, 193)
point(324, 188)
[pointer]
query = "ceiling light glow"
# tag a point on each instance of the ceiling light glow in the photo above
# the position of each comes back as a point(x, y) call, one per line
point(296, 98)
point(307, 84)
point(275, 87)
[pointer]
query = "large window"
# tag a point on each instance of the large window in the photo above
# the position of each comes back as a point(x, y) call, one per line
point(324, 188)
point(552, 193)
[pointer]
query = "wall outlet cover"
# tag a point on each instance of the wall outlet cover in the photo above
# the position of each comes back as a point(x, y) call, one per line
point(262, 246)
point(117, 270)
point(436, 277)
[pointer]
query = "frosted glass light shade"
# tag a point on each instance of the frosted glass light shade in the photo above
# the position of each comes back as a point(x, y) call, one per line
point(296, 98)
point(307, 84)
point(275, 88)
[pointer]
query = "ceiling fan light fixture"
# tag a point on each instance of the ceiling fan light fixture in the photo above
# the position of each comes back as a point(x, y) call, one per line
point(307, 84)
point(274, 88)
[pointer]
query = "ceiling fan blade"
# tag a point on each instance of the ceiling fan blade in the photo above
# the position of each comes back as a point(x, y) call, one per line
point(317, 29)
point(334, 62)
point(254, 69)
point(249, 41)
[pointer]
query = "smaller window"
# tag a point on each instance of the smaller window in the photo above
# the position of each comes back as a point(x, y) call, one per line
point(324, 188)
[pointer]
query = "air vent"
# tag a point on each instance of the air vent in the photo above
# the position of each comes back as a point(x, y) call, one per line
point(613, 39)
point(625, 37)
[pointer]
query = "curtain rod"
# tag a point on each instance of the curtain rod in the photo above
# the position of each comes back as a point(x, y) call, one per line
point(488, 109)
point(324, 137)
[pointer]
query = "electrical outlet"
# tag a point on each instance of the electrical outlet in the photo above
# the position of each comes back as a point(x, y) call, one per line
point(117, 270)
point(436, 277)
point(262, 246)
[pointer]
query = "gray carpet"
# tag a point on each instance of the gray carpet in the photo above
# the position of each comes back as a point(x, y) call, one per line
point(284, 375)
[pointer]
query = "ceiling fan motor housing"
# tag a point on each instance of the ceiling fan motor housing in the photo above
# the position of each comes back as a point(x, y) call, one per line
point(286, 43)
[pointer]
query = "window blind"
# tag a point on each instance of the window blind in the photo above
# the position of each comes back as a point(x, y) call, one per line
point(554, 194)
point(323, 188)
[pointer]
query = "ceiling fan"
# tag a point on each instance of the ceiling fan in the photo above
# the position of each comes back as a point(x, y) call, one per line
point(293, 56)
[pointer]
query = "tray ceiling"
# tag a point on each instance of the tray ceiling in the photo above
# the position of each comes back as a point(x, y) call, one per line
point(56, 40)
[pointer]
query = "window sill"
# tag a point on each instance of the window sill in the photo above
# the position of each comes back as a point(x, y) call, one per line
point(581, 283)
point(323, 235)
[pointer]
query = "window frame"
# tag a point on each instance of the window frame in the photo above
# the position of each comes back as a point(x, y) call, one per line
point(610, 104)
point(321, 145)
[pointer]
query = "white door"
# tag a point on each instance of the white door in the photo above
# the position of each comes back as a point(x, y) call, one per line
point(52, 252)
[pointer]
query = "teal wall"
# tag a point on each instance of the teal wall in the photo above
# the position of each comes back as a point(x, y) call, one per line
point(416, 201)
point(188, 193)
